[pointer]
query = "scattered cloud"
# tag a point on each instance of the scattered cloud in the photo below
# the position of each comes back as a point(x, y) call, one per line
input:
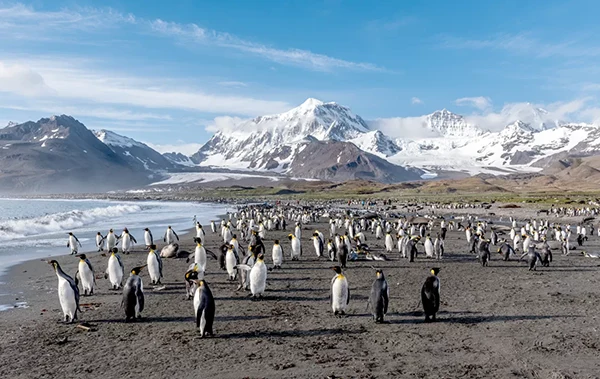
point(480, 102)
point(404, 127)
point(416, 101)
point(179, 147)
point(293, 57)
point(233, 84)
point(24, 22)
point(53, 81)
point(525, 44)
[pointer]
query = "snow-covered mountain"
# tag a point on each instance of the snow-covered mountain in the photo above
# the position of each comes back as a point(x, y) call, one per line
point(453, 143)
point(136, 153)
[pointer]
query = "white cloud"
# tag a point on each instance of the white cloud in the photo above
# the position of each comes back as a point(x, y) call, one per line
point(101, 87)
point(404, 127)
point(21, 80)
point(226, 124)
point(23, 22)
point(233, 84)
point(524, 43)
point(294, 57)
point(181, 147)
point(479, 102)
point(416, 101)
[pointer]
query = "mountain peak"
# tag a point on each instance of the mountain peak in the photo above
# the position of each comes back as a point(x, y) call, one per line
point(311, 103)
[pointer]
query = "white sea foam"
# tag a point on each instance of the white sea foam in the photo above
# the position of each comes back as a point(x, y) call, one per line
point(63, 221)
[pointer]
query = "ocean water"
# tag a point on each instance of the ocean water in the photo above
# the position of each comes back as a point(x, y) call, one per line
point(35, 229)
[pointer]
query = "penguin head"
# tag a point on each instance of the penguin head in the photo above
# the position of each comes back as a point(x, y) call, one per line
point(169, 227)
point(379, 274)
point(137, 270)
point(146, 229)
point(337, 269)
point(435, 270)
point(99, 234)
point(276, 242)
point(260, 257)
point(70, 233)
point(83, 257)
point(198, 240)
point(110, 231)
point(54, 264)
point(152, 247)
point(115, 250)
point(290, 236)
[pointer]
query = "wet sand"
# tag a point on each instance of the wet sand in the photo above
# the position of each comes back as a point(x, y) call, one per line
point(499, 321)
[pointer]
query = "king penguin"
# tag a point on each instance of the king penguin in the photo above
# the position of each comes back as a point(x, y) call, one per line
point(318, 244)
point(430, 295)
point(148, 239)
point(133, 295)
point(115, 270)
point(155, 265)
point(68, 293)
point(100, 241)
point(204, 308)
point(258, 276)
point(379, 298)
point(73, 243)
point(340, 292)
point(277, 254)
point(86, 274)
point(296, 247)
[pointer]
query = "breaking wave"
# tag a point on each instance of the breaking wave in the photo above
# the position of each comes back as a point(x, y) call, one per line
point(63, 221)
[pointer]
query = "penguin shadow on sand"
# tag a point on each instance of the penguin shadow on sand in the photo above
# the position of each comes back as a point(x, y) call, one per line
point(291, 333)
point(447, 317)
point(149, 319)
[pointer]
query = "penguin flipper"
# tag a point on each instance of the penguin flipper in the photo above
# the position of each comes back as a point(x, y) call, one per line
point(212, 255)
point(348, 298)
point(243, 267)
point(140, 298)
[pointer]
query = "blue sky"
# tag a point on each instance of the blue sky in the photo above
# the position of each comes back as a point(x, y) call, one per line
point(162, 72)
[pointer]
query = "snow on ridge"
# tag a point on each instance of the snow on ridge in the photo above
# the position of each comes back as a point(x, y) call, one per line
point(113, 139)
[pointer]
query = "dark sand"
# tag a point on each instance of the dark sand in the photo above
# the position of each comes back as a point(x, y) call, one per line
point(496, 322)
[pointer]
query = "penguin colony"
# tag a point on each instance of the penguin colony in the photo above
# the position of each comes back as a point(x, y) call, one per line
point(345, 245)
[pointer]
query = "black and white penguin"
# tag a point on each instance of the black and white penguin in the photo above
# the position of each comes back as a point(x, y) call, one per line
point(379, 298)
point(430, 295)
point(258, 275)
point(133, 295)
point(204, 308)
point(148, 238)
point(68, 293)
point(100, 241)
point(340, 292)
point(73, 243)
point(170, 236)
point(155, 265)
point(115, 270)
point(296, 247)
point(86, 275)
point(318, 244)
point(533, 257)
point(277, 254)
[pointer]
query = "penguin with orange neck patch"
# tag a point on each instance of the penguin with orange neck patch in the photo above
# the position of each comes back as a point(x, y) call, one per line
point(340, 292)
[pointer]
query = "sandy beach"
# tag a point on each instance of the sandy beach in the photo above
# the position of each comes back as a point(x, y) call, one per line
point(499, 321)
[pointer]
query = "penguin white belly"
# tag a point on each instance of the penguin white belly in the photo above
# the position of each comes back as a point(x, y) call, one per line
point(339, 295)
point(126, 245)
point(277, 255)
point(111, 241)
point(295, 248)
point(298, 233)
point(389, 244)
point(115, 273)
point(153, 268)
point(66, 296)
point(230, 263)
point(147, 239)
point(200, 258)
point(258, 278)
point(87, 277)
point(317, 246)
point(428, 249)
